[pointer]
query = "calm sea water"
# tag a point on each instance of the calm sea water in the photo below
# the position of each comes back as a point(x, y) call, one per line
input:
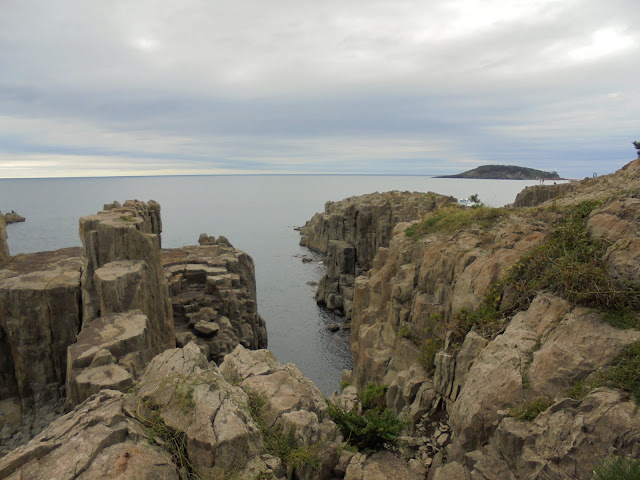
point(257, 214)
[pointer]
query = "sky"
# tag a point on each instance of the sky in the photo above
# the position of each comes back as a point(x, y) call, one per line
point(158, 87)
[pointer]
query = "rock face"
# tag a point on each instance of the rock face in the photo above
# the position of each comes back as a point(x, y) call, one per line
point(182, 400)
point(4, 246)
point(40, 315)
point(415, 288)
point(127, 318)
point(351, 231)
point(213, 295)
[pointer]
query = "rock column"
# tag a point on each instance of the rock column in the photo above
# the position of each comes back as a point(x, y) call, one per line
point(127, 317)
point(4, 247)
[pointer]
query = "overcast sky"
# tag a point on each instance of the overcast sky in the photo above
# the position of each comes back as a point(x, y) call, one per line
point(93, 88)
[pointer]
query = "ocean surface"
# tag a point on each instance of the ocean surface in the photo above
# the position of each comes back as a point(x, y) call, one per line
point(258, 214)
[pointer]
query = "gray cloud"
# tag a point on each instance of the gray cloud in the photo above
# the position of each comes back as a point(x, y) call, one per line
point(308, 87)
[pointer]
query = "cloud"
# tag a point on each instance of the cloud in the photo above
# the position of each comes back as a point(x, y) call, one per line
point(308, 87)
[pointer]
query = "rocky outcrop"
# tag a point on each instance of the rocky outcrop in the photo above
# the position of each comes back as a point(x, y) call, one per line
point(351, 231)
point(186, 420)
point(13, 217)
point(40, 315)
point(417, 287)
point(127, 318)
point(4, 246)
point(563, 442)
point(213, 296)
point(411, 296)
point(537, 194)
point(127, 234)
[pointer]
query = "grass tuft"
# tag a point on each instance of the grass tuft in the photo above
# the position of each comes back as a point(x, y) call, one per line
point(529, 411)
point(454, 218)
point(279, 443)
point(618, 468)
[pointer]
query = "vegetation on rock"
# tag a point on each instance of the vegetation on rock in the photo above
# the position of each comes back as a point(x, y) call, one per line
point(529, 411)
point(279, 443)
point(373, 429)
point(618, 468)
point(454, 218)
point(511, 172)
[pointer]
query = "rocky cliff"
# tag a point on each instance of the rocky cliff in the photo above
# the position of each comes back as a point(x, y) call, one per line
point(429, 319)
point(4, 247)
point(351, 231)
point(78, 321)
point(213, 295)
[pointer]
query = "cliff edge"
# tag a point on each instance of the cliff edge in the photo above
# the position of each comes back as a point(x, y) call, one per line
point(510, 332)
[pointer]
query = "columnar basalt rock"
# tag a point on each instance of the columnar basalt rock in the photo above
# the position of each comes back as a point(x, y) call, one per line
point(351, 231)
point(213, 295)
point(412, 294)
point(127, 317)
point(40, 316)
point(128, 233)
point(4, 246)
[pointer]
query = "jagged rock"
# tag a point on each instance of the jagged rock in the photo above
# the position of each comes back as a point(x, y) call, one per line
point(421, 285)
point(215, 283)
point(205, 239)
point(184, 400)
point(564, 442)
point(190, 395)
point(13, 217)
point(618, 222)
point(39, 318)
point(110, 353)
point(90, 442)
point(351, 231)
point(291, 401)
point(575, 342)
point(206, 329)
point(379, 466)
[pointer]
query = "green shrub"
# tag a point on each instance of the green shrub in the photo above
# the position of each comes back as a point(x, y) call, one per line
point(529, 411)
point(624, 373)
point(428, 350)
point(373, 430)
point(570, 263)
point(373, 396)
point(454, 218)
point(487, 320)
point(279, 443)
point(618, 468)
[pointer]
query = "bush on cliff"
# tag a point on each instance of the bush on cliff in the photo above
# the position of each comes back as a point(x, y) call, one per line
point(374, 429)
point(568, 263)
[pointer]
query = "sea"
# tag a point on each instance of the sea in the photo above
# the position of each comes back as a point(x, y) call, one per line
point(258, 214)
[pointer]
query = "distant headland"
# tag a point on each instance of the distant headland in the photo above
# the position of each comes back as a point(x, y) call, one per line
point(507, 172)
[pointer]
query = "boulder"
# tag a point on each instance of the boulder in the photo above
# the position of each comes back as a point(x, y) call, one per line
point(99, 439)
point(379, 466)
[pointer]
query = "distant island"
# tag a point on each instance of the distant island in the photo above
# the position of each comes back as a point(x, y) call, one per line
point(507, 172)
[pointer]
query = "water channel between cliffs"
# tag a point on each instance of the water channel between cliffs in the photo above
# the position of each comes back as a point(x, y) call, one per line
point(258, 215)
